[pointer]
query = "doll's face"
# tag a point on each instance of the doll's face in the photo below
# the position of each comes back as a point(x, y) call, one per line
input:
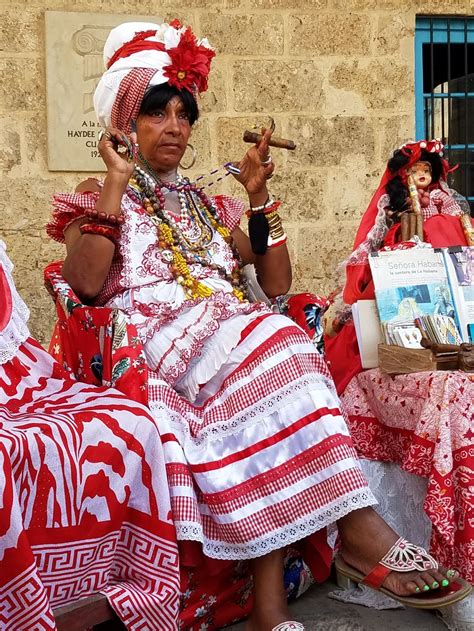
point(421, 172)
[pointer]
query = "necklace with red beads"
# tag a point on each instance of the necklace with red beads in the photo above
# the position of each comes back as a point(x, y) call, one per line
point(184, 240)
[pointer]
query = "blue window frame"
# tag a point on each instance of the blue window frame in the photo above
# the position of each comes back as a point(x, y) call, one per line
point(444, 92)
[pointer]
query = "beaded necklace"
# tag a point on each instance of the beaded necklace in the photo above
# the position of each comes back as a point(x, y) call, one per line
point(184, 241)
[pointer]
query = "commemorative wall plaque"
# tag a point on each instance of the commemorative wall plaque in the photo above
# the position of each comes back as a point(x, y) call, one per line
point(74, 65)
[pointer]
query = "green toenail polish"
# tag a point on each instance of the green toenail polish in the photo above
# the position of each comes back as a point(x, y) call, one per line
point(445, 582)
point(417, 589)
point(426, 588)
point(434, 584)
point(451, 573)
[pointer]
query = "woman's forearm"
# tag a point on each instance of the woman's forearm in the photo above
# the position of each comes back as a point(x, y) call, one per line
point(89, 256)
point(274, 271)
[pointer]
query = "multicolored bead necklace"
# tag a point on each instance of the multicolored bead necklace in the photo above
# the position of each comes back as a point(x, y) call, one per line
point(185, 241)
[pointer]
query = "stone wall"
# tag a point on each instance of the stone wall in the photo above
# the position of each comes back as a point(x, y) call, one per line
point(337, 75)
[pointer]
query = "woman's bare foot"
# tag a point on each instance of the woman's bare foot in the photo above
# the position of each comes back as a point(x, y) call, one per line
point(366, 538)
point(266, 620)
point(270, 606)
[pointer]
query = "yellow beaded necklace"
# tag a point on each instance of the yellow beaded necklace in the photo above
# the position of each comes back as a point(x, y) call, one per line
point(175, 246)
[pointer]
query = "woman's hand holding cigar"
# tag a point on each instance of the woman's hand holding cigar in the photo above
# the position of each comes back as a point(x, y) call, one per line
point(283, 143)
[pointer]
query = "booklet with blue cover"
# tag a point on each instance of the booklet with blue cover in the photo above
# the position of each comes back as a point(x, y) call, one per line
point(460, 268)
point(409, 285)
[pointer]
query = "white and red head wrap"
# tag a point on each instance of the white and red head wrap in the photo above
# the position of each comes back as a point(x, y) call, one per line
point(139, 55)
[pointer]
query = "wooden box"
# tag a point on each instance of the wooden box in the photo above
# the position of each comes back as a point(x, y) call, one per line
point(397, 360)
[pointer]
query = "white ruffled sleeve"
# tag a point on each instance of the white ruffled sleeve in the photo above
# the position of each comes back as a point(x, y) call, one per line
point(14, 313)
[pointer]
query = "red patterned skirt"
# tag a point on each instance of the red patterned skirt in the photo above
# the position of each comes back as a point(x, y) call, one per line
point(84, 503)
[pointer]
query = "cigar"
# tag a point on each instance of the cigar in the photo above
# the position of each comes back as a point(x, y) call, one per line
point(419, 226)
point(405, 226)
point(412, 224)
point(414, 195)
point(274, 141)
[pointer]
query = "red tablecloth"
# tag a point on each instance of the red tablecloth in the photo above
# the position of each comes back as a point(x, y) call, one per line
point(425, 423)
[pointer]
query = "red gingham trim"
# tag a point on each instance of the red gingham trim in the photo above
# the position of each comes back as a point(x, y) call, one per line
point(67, 208)
point(280, 340)
point(266, 484)
point(129, 97)
point(176, 478)
point(230, 210)
point(440, 203)
point(289, 430)
point(272, 385)
point(317, 500)
point(311, 461)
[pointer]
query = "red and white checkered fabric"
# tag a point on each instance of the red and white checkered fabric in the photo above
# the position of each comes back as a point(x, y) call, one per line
point(263, 457)
point(440, 203)
point(129, 97)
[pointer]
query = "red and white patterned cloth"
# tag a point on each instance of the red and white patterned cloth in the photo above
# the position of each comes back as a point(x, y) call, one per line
point(425, 423)
point(262, 458)
point(440, 203)
point(84, 501)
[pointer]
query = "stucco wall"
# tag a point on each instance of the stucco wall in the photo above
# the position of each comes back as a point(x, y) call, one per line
point(336, 75)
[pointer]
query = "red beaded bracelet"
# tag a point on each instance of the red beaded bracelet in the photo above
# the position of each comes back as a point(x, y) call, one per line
point(98, 215)
point(109, 232)
point(271, 208)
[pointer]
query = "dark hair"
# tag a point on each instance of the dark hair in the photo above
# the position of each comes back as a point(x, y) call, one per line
point(396, 189)
point(158, 96)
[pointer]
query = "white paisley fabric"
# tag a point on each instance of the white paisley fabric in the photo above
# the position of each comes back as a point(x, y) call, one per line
point(14, 313)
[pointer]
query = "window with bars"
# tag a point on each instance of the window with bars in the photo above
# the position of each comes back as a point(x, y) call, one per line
point(444, 91)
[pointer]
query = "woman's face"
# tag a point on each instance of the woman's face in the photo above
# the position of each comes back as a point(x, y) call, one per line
point(163, 135)
point(421, 172)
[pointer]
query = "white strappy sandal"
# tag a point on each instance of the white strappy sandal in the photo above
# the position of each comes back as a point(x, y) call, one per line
point(404, 556)
point(290, 625)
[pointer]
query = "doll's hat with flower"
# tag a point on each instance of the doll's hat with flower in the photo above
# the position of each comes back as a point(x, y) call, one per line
point(413, 151)
point(139, 55)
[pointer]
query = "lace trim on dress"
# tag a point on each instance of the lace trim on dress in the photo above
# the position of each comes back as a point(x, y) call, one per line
point(289, 534)
point(15, 331)
point(247, 418)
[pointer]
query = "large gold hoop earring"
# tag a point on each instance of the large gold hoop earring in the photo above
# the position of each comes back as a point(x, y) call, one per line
point(193, 159)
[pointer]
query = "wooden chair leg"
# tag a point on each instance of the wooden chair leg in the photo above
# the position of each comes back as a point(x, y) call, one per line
point(86, 613)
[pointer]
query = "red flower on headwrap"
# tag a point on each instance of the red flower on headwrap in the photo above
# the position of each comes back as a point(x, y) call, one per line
point(176, 24)
point(190, 64)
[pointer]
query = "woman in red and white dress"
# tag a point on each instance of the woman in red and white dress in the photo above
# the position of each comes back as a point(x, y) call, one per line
point(258, 455)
